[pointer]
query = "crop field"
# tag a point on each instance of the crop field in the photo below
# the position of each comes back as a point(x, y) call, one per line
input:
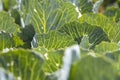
point(59, 39)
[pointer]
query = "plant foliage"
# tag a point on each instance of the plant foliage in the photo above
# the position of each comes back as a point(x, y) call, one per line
point(36, 35)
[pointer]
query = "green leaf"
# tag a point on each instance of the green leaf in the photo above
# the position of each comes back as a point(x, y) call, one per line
point(106, 47)
point(77, 30)
point(84, 6)
point(25, 8)
point(9, 41)
point(17, 41)
point(51, 14)
point(85, 42)
point(115, 56)
point(93, 68)
point(26, 35)
point(108, 25)
point(53, 59)
point(113, 12)
point(6, 41)
point(54, 40)
point(7, 23)
point(24, 64)
point(97, 36)
point(16, 15)
point(8, 4)
point(117, 37)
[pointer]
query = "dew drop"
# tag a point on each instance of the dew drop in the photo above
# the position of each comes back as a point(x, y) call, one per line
point(5, 50)
point(18, 78)
point(46, 56)
point(35, 10)
point(57, 64)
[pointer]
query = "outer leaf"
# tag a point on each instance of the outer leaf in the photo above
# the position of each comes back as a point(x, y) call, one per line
point(51, 14)
point(71, 55)
point(26, 35)
point(77, 30)
point(113, 12)
point(24, 64)
point(17, 41)
point(53, 59)
point(117, 37)
point(54, 40)
point(115, 56)
point(106, 47)
point(8, 4)
point(7, 23)
point(25, 7)
point(16, 15)
point(90, 68)
point(107, 24)
point(53, 62)
point(97, 36)
point(8, 41)
point(85, 43)
point(83, 5)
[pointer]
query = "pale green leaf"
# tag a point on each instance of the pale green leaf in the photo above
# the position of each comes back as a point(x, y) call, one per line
point(84, 6)
point(9, 41)
point(77, 30)
point(6, 41)
point(16, 15)
point(115, 56)
point(113, 12)
point(106, 47)
point(17, 41)
point(24, 64)
point(93, 68)
point(54, 40)
point(108, 25)
point(97, 36)
point(7, 23)
point(53, 59)
point(51, 14)
point(8, 4)
point(85, 42)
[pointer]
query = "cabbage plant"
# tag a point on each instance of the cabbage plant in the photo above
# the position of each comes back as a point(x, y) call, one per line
point(59, 40)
